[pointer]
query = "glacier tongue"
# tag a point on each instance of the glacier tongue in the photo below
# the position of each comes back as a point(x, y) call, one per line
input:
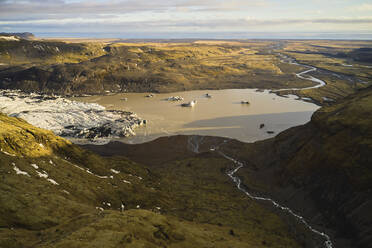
point(70, 119)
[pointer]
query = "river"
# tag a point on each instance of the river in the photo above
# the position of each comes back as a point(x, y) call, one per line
point(194, 143)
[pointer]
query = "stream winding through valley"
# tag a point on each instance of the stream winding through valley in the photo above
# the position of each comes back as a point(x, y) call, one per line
point(328, 243)
point(194, 143)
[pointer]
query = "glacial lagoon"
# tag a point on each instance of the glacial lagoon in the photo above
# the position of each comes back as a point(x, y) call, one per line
point(221, 114)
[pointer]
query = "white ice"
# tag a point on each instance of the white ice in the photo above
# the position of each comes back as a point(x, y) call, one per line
point(57, 113)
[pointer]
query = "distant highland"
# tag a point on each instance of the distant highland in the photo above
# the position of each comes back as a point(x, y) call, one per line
point(25, 35)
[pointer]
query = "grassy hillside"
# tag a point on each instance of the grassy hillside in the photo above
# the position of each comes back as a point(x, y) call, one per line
point(159, 67)
point(55, 194)
point(97, 67)
point(28, 53)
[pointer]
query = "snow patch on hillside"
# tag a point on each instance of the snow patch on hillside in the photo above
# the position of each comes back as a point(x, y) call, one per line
point(19, 172)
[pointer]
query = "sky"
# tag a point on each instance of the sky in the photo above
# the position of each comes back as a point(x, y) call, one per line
point(189, 18)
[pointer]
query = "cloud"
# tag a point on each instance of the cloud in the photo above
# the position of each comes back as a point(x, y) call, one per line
point(120, 24)
point(122, 19)
point(36, 7)
point(362, 8)
point(165, 15)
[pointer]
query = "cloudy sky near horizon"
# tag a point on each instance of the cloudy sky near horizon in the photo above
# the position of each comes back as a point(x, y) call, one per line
point(185, 16)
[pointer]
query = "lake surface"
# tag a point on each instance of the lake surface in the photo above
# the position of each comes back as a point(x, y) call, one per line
point(221, 115)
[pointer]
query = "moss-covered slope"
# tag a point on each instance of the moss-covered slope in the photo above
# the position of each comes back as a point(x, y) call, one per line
point(95, 68)
point(55, 194)
point(36, 52)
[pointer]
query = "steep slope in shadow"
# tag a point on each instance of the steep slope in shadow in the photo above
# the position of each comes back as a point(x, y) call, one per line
point(322, 169)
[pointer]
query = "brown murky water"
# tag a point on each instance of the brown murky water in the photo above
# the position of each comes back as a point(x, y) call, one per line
point(221, 115)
